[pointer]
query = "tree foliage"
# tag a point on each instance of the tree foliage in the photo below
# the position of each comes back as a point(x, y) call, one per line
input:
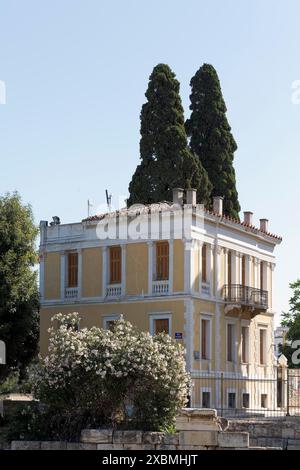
point(166, 160)
point(18, 283)
point(291, 319)
point(211, 138)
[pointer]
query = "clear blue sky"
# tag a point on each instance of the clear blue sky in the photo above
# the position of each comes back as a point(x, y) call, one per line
point(76, 73)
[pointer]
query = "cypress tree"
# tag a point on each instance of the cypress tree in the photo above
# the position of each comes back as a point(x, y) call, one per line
point(166, 160)
point(211, 138)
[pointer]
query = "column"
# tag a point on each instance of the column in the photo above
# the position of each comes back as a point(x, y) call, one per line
point(62, 274)
point(150, 266)
point(234, 263)
point(123, 268)
point(247, 270)
point(187, 266)
point(104, 270)
point(200, 246)
point(217, 269)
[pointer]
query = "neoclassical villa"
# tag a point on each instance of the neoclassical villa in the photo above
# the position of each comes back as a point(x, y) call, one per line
point(204, 278)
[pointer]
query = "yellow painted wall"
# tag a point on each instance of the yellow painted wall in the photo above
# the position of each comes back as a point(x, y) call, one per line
point(91, 272)
point(93, 315)
point(52, 276)
point(136, 268)
point(178, 280)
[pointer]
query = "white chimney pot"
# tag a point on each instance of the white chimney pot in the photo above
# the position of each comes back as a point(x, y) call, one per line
point(218, 205)
point(178, 196)
point(191, 197)
point(248, 218)
point(264, 225)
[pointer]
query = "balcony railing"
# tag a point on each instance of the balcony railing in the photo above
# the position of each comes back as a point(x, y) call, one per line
point(71, 292)
point(113, 290)
point(160, 287)
point(245, 295)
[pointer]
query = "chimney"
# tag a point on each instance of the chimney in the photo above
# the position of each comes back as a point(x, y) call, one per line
point(178, 196)
point(191, 197)
point(264, 223)
point(248, 218)
point(218, 205)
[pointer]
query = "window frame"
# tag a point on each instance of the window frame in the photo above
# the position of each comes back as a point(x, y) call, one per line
point(115, 265)
point(72, 283)
point(159, 316)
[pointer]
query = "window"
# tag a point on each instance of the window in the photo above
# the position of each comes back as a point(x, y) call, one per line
point(162, 261)
point(231, 400)
point(205, 399)
point(161, 325)
point(245, 344)
point(261, 275)
point(229, 264)
point(204, 263)
point(243, 270)
point(205, 339)
point(72, 269)
point(230, 342)
point(263, 400)
point(262, 346)
point(115, 264)
point(109, 321)
point(246, 400)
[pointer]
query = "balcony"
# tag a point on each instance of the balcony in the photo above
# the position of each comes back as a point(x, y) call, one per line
point(114, 290)
point(246, 298)
point(71, 293)
point(160, 287)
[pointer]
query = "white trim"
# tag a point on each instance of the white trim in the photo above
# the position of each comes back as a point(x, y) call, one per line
point(234, 341)
point(208, 338)
point(171, 265)
point(231, 390)
point(189, 332)
point(207, 390)
point(160, 316)
point(108, 318)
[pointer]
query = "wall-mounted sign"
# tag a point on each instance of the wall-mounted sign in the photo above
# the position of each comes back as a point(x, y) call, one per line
point(178, 335)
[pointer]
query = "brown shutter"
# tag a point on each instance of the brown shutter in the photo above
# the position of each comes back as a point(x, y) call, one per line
point(162, 261)
point(203, 339)
point(204, 263)
point(72, 269)
point(243, 271)
point(115, 264)
point(261, 275)
point(229, 267)
point(161, 325)
point(229, 342)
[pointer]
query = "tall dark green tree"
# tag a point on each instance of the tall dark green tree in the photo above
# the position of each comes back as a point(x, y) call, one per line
point(19, 298)
point(211, 138)
point(291, 319)
point(166, 160)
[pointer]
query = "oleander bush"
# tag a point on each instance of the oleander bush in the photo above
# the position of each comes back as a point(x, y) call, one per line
point(121, 378)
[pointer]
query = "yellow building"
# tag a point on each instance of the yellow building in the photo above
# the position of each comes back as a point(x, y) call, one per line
point(205, 279)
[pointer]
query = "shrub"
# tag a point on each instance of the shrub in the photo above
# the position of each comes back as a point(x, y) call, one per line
point(94, 377)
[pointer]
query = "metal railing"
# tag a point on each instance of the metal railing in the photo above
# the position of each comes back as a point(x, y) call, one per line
point(276, 395)
point(245, 295)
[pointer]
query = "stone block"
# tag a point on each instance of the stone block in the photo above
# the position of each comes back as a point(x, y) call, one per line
point(96, 436)
point(153, 438)
point(53, 445)
point(138, 447)
point(288, 433)
point(73, 445)
point(127, 437)
point(195, 448)
point(25, 445)
point(110, 447)
point(87, 446)
point(194, 419)
point(171, 439)
point(165, 447)
point(198, 438)
point(233, 439)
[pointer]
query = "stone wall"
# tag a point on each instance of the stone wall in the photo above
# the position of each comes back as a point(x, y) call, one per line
point(280, 432)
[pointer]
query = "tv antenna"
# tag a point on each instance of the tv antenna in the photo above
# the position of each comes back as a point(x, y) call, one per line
point(108, 200)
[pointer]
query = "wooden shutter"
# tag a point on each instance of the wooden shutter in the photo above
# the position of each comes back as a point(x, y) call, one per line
point(229, 342)
point(243, 270)
point(72, 269)
point(262, 346)
point(162, 261)
point(203, 339)
point(161, 325)
point(204, 263)
point(261, 275)
point(244, 344)
point(229, 268)
point(115, 264)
